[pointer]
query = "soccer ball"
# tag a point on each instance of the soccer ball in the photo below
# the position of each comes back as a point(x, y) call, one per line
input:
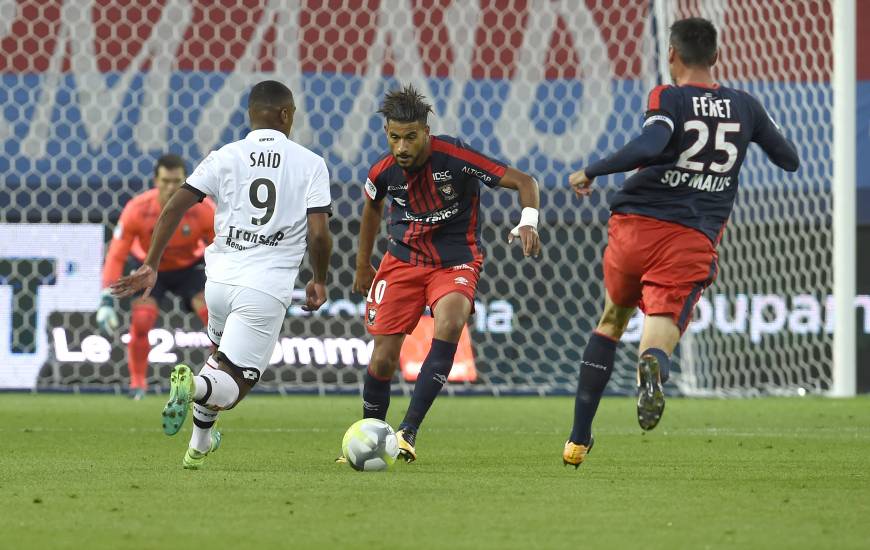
point(370, 445)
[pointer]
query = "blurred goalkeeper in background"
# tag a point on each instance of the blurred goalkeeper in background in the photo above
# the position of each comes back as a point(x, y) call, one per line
point(182, 271)
point(668, 218)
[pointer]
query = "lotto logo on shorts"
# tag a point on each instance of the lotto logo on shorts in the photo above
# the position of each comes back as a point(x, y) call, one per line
point(461, 281)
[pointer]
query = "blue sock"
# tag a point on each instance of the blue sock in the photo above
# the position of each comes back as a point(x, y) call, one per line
point(376, 397)
point(433, 376)
point(663, 359)
point(595, 370)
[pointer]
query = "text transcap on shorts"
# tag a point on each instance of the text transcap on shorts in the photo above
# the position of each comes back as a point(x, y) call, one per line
point(245, 324)
point(660, 267)
point(401, 291)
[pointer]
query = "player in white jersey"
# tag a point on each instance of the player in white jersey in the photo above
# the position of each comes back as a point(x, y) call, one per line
point(272, 196)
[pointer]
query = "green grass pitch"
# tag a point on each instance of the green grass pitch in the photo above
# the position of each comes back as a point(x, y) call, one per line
point(97, 472)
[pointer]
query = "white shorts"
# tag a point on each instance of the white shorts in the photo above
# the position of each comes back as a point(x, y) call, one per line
point(244, 323)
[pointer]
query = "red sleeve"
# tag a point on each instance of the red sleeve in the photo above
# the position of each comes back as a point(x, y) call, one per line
point(654, 102)
point(119, 246)
point(375, 189)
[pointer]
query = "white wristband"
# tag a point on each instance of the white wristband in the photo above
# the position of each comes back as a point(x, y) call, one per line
point(529, 216)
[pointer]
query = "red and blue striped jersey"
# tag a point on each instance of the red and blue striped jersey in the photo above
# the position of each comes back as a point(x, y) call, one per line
point(433, 215)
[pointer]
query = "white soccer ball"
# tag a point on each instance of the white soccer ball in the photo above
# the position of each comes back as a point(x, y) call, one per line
point(370, 445)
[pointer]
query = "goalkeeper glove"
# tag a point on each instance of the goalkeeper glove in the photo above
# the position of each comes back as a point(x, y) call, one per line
point(107, 319)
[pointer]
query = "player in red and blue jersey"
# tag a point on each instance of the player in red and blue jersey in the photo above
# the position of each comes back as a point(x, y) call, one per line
point(434, 256)
point(668, 218)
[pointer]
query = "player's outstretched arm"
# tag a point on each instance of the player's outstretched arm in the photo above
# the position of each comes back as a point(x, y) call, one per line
point(370, 225)
point(530, 200)
point(170, 217)
point(319, 251)
point(778, 148)
point(637, 152)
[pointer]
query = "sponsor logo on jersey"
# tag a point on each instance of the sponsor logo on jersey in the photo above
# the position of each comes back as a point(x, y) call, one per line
point(237, 234)
point(437, 216)
point(479, 174)
point(448, 191)
point(462, 267)
point(442, 176)
point(701, 182)
point(371, 190)
point(402, 187)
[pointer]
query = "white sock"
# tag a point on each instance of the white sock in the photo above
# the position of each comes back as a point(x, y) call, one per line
point(216, 388)
point(203, 420)
point(200, 386)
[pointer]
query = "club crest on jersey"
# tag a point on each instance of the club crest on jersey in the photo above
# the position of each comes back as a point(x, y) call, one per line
point(448, 192)
point(370, 316)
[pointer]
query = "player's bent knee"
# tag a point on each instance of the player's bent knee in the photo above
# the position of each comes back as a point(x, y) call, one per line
point(383, 367)
point(142, 319)
point(449, 329)
point(613, 321)
point(243, 380)
point(222, 389)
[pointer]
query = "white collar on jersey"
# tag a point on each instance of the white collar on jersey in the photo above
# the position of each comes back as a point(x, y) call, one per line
point(266, 134)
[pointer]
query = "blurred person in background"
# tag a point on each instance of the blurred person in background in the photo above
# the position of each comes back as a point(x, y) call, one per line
point(181, 272)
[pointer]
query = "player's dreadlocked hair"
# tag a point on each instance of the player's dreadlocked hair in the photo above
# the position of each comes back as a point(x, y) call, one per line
point(170, 162)
point(695, 41)
point(406, 105)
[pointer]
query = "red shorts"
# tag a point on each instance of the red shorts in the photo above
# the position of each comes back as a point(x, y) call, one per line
point(659, 266)
point(401, 291)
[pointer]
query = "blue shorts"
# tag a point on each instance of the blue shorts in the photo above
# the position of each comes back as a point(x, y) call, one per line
point(184, 283)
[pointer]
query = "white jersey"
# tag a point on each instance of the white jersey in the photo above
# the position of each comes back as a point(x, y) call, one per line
point(264, 186)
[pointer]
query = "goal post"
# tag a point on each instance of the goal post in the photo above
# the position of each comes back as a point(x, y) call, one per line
point(845, 192)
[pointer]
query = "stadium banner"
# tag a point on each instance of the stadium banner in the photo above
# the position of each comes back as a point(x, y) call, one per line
point(50, 290)
point(45, 268)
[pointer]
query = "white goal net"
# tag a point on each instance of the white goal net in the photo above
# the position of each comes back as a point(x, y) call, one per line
point(93, 91)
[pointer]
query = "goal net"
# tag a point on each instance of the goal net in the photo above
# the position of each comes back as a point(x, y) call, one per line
point(93, 91)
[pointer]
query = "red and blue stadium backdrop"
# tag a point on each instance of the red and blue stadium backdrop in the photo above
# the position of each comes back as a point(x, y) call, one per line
point(93, 92)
